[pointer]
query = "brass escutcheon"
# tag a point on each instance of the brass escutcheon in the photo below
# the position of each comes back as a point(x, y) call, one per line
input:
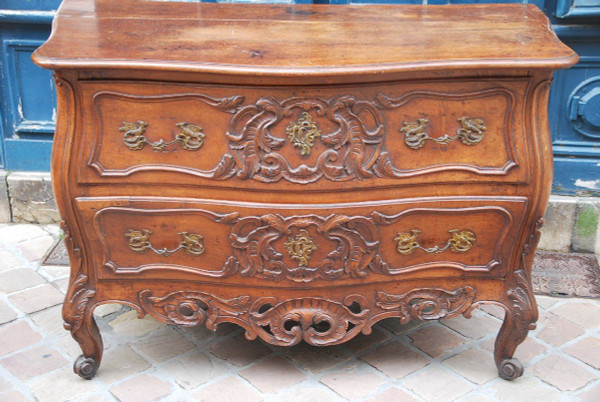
point(302, 133)
point(301, 247)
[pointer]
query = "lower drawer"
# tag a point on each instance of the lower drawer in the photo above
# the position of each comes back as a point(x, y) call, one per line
point(286, 245)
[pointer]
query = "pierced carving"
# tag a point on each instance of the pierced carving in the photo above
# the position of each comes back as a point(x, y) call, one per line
point(190, 138)
point(460, 242)
point(193, 308)
point(315, 320)
point(139, 241)
point(470, 133)
point(303, 133)
point(428, 304)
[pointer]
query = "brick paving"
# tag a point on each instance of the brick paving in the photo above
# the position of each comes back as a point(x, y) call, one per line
point(144, 360)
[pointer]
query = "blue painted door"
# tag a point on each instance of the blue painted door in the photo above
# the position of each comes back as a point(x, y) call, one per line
point(27, 95)
point(27, 107)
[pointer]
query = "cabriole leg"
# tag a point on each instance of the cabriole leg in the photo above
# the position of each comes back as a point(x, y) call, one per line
point(77, 313)
point(521, 315)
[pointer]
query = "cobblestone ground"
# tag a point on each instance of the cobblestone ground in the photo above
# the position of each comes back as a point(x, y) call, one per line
point(145, 360)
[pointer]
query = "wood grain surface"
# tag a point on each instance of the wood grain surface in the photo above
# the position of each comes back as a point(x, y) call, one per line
point(300, 40)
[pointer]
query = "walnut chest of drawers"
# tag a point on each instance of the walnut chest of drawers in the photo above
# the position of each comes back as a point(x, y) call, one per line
point(301, 171)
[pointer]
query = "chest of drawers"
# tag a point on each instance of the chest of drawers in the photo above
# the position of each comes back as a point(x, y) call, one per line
point(301, 171)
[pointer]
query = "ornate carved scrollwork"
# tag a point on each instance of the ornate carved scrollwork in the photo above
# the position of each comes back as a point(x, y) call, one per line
point(317, 321)
point(460, 242)
point(76, 301)
point(521, 311)
point(253, 238)
point(428, 304)
point(352, 147)
point(77, 314)
point(470, 133)
point(190, 138)
point(193, 308)
point(139, 241)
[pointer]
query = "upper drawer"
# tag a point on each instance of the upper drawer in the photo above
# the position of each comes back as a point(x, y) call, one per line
point(328, 137)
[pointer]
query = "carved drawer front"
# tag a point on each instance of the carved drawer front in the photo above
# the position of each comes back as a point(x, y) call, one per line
point(342, 137)
point(266, 244)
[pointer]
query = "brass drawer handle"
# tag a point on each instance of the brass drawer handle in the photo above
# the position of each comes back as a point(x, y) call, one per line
point(460, 242)
point(470, 133)
point(139, 241)
point(190, 138)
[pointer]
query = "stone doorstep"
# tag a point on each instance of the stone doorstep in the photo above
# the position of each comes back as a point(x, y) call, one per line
point(572, 223)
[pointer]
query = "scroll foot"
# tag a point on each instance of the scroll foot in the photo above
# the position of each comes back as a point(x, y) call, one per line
point(85, 367)
point(509, 369)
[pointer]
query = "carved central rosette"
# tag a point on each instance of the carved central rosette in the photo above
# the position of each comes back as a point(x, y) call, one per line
point(346, 246)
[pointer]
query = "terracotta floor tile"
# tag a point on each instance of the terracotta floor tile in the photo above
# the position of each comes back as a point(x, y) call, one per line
point(33, 362)
point(19, 279)
point(230, 389)
point(239, 351)
point(316, 359)
point(526, 388)
point(562, 373)
point(36, 299)
point(272, 375)
point(436, 340)
point(143, 388)
point(194, 369)
point(475, 328)
point(395, 360)
point(434, 383)
point(587, 350)
point(556, 330)
point(393, 394)
point(17, 335)
point(474, 364)
point(353, 380)
point(583, 313)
